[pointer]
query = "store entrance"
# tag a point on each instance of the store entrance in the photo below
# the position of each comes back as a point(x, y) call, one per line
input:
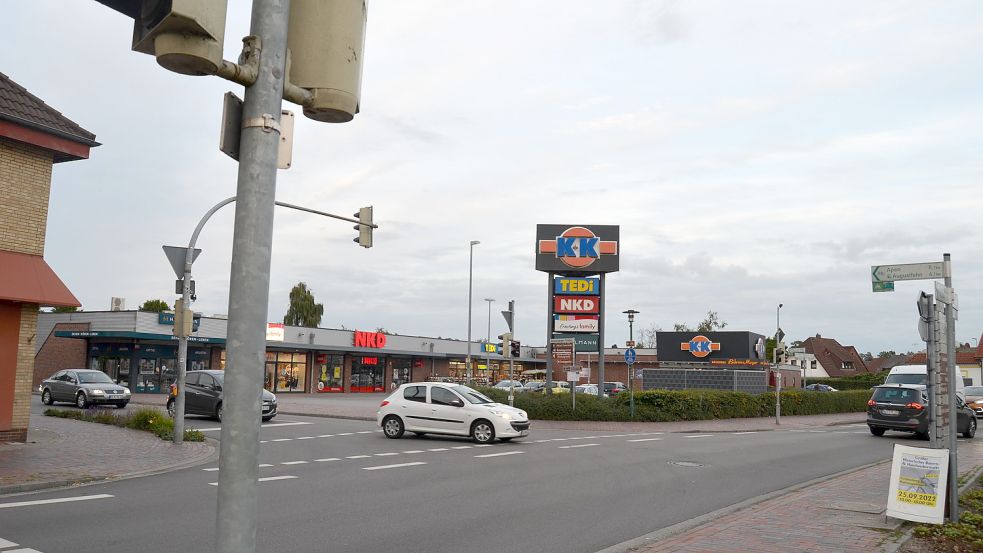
point(401, 372)
point(368, 374)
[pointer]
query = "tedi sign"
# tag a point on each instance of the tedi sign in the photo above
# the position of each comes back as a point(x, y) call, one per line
point(369, 339)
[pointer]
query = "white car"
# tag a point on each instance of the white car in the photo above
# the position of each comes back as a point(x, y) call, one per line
point(589, 389)
point(445, 408)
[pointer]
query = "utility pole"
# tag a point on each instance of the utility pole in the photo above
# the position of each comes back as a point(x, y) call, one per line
point(950, 347)
point(778, 372)
point(488, 343)
point(467, 360)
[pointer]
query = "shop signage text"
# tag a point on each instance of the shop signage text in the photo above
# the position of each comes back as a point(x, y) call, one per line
point(579, 286)
point(370, 360)
point(274, 332)
point(749, 362)
point(700, 346)
point(582, 342)
point(574, 304)
point(575, 250)
point(575, 323)
point(369, 339)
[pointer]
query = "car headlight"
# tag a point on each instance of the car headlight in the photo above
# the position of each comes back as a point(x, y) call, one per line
point(503, 414)
point(98, 392)
point(126, 391)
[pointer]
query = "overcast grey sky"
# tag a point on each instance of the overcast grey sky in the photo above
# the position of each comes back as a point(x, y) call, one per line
point(753, 152)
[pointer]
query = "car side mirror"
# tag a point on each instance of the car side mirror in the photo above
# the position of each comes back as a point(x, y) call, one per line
point(217, 387)
point(457, 403)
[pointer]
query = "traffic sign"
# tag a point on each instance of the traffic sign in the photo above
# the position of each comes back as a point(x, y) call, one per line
point(177, 255)
point(907, 271)
point(883, 286)
point(630, 356)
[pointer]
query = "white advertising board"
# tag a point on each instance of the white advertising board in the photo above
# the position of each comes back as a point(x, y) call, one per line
point(918, 484)
point(575, 325)
point(274, 332)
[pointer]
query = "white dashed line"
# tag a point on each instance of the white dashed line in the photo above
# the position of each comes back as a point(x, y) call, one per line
point(307, 437)
point(294, 463)
point(212, 469)
point(400, 465)
point(282, 440)
point(483, 445)
point(438, 449)
point(326, 459)
point(497, 454)
point(358, 457)
point(699, 436)
point(5, 544)
point(364, 432)
point(57, 500)
point(414, 451)
point(742, 433)
point(541, 441)
point(385, 454)
point(262, 441)
point(560, 439)
point(264, 465)
point(345, 434)
point(270, 478)
point(798, 430)
point(326, 436)
point(461, 447)
point(645, 440)
point(578, 445)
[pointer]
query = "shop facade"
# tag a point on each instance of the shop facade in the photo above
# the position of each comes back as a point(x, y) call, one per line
point(137, 350)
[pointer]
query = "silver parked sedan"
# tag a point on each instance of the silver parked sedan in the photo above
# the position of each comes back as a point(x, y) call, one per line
point(83, 387)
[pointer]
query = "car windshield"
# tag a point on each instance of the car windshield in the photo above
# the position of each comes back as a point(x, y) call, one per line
point(906, 379)
point(974, 390)
point(471, 395)
point(95, 378)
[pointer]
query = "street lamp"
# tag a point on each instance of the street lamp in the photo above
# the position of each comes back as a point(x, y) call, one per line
point(778, 374)
point(488, 340)
point(467, 362)
point(631, 343)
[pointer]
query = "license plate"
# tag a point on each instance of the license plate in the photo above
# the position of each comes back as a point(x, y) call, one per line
point(890, 412)
point(116, 396)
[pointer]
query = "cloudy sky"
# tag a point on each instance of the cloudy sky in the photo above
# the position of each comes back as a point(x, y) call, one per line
point(753, 153)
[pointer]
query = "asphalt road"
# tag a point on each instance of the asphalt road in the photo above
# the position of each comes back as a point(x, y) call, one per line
point(341, 486)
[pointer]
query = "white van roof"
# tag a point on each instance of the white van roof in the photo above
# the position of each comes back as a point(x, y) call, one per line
point(909, 369)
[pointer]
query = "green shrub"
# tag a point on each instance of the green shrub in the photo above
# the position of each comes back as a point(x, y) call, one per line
point(145, 419)
point(863, 381)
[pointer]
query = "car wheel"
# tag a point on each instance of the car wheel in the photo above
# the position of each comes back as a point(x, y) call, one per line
point(482, 432)
point(970, 430)
point(170, 408)
point(922, 435)
point(267, 419)
point(876, 431)
point(81, 401)
point(218, 412)
point(392, 427)
point(46, 397)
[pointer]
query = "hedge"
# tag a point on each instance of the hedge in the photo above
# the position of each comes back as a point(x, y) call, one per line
point(146, 419)
point(682, 405)
point(863, 381)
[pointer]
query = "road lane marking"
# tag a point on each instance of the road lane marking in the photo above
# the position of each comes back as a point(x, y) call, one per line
point(484, 445)
point(282, 440)
point(294, 463)
point(264, 479)
point(264, 465)
point(541, 441)
point(364, 432)
point(5, 544)
point(461, 447)
point(358, 457)
point(797, 431)
point(438, 449)
point(326, 459)
point(212, 469)
point(383, 467)
point(345, 434)
point(326, 436)
point(414, 451)
point(56, 500)
point(817, 431)
point(560, 439)
point(742, 433)
point(645, 440)
point(307, 437)
point(498, 454)
point(214, 428)
point(385, 454)
point(699, 436)
point(578, 445)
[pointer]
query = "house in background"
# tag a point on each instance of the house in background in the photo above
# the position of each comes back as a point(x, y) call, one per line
point(33, 137)
point(823, 357)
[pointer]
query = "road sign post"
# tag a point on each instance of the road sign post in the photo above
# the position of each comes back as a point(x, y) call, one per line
point(630, 360)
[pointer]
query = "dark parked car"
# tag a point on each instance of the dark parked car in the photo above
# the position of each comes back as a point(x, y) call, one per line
point(203, 396)
point(83, 387)
point(905, 408)
point(820, 388)
point(612, 389)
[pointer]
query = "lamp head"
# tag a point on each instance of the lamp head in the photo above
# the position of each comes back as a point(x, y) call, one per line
point(475, 242)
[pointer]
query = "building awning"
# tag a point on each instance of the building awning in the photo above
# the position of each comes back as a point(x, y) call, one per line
point(27, 278)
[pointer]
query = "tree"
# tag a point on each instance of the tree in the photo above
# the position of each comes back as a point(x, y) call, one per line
point(155, 306)
point(303, 311)
point(711, 323)
point(867, 356)
point(797, 344)
point(646, 336)
point(681, 327)
point(65, 310)
point(769, 348)
point(886, 354)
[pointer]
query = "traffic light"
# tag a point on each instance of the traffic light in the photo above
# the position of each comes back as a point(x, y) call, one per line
point(186, 36)
point(515, 348)
point(780, 353)
point(364, 227)
point(503, 346)
point(326, 39)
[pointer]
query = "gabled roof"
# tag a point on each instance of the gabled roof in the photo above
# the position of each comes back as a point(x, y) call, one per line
point(831, 355)
point(23, 116)
point(962, 358)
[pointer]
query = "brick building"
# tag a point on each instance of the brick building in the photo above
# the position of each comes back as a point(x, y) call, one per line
point(33, 137)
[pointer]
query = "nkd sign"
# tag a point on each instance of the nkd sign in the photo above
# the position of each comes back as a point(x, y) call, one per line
point(577, 249)
point(369, 339)
point(576, 304)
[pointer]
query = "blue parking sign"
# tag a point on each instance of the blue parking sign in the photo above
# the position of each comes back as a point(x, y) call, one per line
point(630, 356)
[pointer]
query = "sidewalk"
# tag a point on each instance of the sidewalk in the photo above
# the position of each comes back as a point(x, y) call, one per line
point(64, 452)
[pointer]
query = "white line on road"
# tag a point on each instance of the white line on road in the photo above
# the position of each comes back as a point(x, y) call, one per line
point(414, 451)
point(282, 440)
point(364, 432)
point(560, 439)
point(56, 500)
point(742, 433)
point(483, 445)
point(497, 454)
point(461, 447)
point(326, 459)
point(385, 454)
point(265, 479)
point(294, 463)
point(578, 445)
point(5, 544)
point(383, 467)
point(358, 457)
point(699, 436)
point(307, 437)
point(346, 434)
point(264, 465)
point(645, 440)
point(212, 469)
point(212, 429)
point(438, 449)
point(326, 436)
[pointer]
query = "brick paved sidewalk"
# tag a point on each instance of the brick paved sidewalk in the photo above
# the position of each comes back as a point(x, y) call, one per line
point(62, 452)
point(842, 514)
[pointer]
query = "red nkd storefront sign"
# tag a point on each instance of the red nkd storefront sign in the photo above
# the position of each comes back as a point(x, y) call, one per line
point(576, 304)
point(369, 339)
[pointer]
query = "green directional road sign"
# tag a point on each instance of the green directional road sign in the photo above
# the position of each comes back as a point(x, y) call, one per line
point(883, 286)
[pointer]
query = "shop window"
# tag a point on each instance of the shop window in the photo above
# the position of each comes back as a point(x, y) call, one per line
point(328, 373)
point(415, 393)
point(285, 371)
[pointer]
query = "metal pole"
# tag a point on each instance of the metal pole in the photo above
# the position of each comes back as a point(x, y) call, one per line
point(931, 350)
point(467, 361)
point(249, 285)
point(600, 339)
point(487, 342)
point(950, 348)
point(511, 360)
point(778, 372)
point(549, 331)
point(631, 384)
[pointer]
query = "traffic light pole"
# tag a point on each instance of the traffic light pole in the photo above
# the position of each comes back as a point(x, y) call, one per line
point(249, 283)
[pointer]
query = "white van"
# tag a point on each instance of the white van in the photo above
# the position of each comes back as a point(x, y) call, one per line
point(918, 374)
